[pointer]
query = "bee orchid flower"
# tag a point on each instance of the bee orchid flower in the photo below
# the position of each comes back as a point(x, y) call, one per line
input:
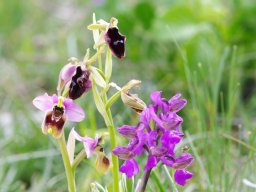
point(57, 111)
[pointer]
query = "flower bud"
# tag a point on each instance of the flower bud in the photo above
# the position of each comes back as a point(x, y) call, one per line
point(133, 101)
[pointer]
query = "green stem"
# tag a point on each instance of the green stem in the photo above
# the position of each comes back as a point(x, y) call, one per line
point(173, 187)
point(115, 163)
point(68, 169)
point(78, 159)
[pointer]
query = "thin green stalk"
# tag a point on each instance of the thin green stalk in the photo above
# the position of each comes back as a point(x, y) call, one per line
point(156, 179)
point(77, 160)
point(173, 187)
point(68, 169)
point(112, 136)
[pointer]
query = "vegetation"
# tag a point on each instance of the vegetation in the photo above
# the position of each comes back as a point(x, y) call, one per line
point(205, 50)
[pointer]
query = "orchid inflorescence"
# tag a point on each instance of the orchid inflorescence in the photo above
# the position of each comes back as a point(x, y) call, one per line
point(158, 130)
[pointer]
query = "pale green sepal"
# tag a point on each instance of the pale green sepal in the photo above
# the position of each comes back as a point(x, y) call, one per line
point(96, 31)
point(101, 40)
point(97, 77)
point(97, 26)
point(108, 65)
point(71, 147)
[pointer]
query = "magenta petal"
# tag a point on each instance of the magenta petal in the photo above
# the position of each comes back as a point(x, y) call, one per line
point(73, 111)
point(156, 97)
point(43, 102)
point(130, 168)
point(183, 161)
point(122, 152)
point(89, 143)
point(152, 162)
point(167, 160)
point(181, 176)
point(128, 131)
point(66, 74)
point(176, 104)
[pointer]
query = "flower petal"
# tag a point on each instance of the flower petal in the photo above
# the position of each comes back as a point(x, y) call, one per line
point(181, 176)
point(183, 161)
point(65, 75)
point(128, 131)
point(73, 111)
point(89, 143)
point(130, 168)
point(152, 162)
point(156, 97)
point(43, 102)
point(122, 152)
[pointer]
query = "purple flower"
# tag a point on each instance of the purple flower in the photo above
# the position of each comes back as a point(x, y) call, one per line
point(156, 134)
point(181, 176)
point(123, 152)
point(116, 42)
point(151, 163)
point(57, 111)
point(89, 143)
point(66, 75)
point(128, 131)
point(130, 168)
point(76, 77)
point(92, 146)
point(183, 161)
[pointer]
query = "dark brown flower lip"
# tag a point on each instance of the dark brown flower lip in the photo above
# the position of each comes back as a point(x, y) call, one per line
point(116, 42)
point(80, 83)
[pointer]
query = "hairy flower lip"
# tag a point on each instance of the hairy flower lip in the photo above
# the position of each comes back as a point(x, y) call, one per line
point(53, 125)
point(80, 83)
point(116, 42)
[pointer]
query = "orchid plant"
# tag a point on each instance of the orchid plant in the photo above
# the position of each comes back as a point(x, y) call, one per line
point(158, 130)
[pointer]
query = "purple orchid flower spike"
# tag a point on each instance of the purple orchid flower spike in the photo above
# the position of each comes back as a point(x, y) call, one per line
point(57, 111)
point(156, 134)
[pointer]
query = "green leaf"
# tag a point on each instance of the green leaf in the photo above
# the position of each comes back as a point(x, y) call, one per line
point(98, 101)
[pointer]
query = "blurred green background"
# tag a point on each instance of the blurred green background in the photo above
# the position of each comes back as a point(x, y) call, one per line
point(204, 49)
